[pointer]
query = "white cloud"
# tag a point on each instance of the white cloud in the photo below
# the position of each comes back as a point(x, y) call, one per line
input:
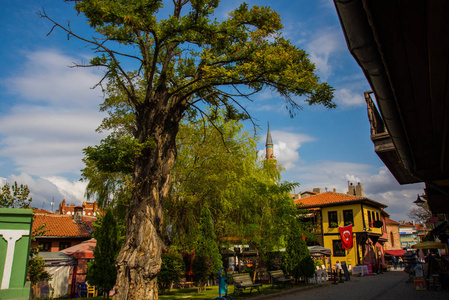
point(56, 116)
point(47, 78)
point(43, 142)
point(347, 97)
point(325, 43)
point(73, 191)
point(285, 147)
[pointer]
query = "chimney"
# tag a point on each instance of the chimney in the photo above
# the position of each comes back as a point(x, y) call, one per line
point(78, 214)
point(317, 190)
point(334, 190)
point(351, 189)
point(359, 190)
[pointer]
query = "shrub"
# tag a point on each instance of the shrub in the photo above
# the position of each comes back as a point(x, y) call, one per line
point(171, 271)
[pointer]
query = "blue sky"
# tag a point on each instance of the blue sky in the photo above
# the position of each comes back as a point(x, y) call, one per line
point(49, 113)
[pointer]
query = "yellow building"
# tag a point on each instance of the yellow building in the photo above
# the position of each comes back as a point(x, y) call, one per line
point(331, 210)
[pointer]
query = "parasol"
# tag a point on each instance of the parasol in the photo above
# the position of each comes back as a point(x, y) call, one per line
point(429, 245)
point(319, 250)
point(82, 250)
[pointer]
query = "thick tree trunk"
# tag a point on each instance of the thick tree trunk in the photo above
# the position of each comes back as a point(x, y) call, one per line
point(139, 260)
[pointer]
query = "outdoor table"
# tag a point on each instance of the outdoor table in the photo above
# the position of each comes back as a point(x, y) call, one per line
point(362, 270)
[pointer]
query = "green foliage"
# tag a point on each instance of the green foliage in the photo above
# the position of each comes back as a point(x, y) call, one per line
point(297, 260)
point(202, 267)
point(207, 242)
point(109, 235)
point(108, 171)
point(15, 196)
point(203, 149)
point(171, 270)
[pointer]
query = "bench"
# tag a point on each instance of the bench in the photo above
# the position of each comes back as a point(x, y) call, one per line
point(278, 278)
point(243, 281)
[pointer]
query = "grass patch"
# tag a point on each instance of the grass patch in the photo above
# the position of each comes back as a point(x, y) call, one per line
point(212, 292)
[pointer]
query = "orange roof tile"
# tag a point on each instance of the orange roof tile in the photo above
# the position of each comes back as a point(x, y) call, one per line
point(329, 198)
point(63, 225)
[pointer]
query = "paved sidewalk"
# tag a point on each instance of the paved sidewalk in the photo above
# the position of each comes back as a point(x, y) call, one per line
point(389, 285)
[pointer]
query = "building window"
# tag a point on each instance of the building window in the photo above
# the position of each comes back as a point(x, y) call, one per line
point(348, 217)
point(369, 219)
point(337, 249)
point(45, 246)
point(64, 245)
point(333, 219)
point(377, 216)
point(392, 239)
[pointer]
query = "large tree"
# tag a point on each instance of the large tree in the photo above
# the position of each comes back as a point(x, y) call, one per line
point(181, 60)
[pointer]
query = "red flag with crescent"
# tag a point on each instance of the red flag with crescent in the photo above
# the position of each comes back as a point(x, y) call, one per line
point(346, 237)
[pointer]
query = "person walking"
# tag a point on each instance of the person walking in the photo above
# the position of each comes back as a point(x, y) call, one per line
point(400, 261)
point(395, 262)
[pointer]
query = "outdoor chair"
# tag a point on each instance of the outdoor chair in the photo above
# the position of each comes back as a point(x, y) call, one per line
point(91, 290)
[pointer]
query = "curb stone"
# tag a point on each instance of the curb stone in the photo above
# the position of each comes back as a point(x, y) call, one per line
point(290, 291)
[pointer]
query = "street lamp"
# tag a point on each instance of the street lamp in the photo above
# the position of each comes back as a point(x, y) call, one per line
point(419, 201)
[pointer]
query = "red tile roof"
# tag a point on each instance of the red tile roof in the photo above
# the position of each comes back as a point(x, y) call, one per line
point(330, 198)
point(390, 221)
point(420, 226)
point(63, 225)
point(41, 211)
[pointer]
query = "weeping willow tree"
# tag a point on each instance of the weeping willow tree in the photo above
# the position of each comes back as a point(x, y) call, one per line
point(180, 60)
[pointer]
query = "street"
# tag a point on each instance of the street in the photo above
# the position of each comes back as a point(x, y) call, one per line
point(389, 285)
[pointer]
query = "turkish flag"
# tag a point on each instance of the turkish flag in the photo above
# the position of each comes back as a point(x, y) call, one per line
point(346, 237)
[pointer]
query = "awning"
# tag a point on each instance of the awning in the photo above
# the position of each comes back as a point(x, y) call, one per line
point(395, 252)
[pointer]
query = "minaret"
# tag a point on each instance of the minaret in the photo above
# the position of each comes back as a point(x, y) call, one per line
point(269, 145)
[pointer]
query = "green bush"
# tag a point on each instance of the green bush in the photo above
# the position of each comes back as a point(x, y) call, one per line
point(171, 270)
point(202, 268)
point(318, 263)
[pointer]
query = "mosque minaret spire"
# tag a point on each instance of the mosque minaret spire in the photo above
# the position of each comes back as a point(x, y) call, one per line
point(269, 145)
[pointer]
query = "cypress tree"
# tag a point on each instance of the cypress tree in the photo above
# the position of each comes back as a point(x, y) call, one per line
point(102, 272)
point(297, 260)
